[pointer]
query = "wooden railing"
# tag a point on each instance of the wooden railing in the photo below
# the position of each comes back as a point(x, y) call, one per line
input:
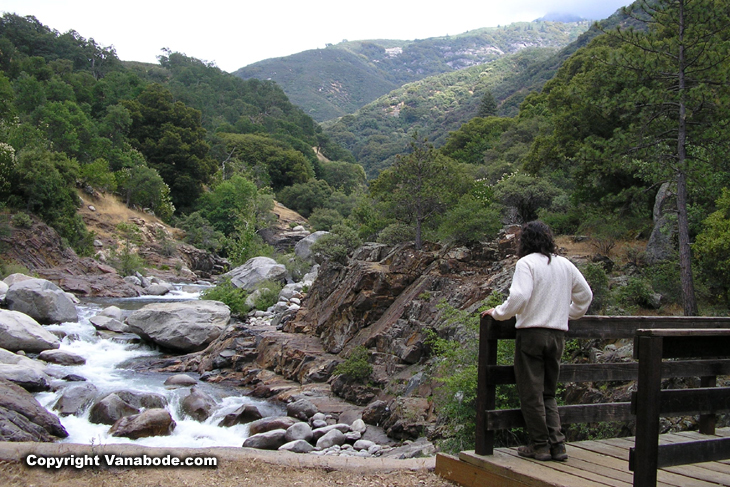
point(490, 375)
point(649, 402)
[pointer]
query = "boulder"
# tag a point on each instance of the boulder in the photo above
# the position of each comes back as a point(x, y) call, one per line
point(255, 271)
point(297, 446)
point(111, 312)
point(29, 378)
point(22, 418)
point(303, 409)
point(3, 290)
point(75, 399)
point(303, 248)
point(181, 380)
point(198, 405)
point(110, 409)
point(146, 400)
point(375, 413)
point(185, 326)
point(61, 357)
point(102, 322)
point(42, 300)
point(333, 437)
point(661, 242)
point(299, 431)
point(245, 414)
point(19, 331)
point(157, 290)
point(152, 422)
point(269, 440)
point(271, 423)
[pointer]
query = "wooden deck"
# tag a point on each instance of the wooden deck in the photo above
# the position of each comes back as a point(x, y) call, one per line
point(590, 464)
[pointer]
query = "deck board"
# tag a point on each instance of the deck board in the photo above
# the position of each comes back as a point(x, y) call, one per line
point(596, 463)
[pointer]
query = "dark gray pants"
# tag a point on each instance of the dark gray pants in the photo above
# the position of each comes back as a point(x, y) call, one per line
point(537, 364)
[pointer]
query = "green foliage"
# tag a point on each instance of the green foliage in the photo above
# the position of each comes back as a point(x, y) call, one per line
point(356, 367)
point(225, 292)
point(22, 220)
point(304, 198)
point(143, 187)
point(470, 221)
point(200, 233)
point(396, 233)
point(267, 294)
point(712, 248)
point(526, 193)
point(337, 245)
point(456, 371)
point(325, 219)
point(125, 259)
point(636, 292)
point(97, 175)
point(597, 279)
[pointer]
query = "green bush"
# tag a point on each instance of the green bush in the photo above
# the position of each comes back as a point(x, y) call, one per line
point(325, 219)
point(22, 220)
point(229, 294)
point(597, 279)
point(470, 222)
point(337, 245)
point(356, 367)
point(636, 292)
point(268, 295)
point(396, 233)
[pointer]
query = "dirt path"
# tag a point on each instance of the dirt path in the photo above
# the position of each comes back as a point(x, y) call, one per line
point(236, 468)
point(239, 474)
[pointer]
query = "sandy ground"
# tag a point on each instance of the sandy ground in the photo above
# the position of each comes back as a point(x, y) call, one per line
point(235, 473)
point(239, 467)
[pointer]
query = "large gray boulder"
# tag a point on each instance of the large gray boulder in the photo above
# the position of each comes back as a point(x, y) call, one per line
point(660, 246)
point(198, 405)
point(270, 440)
point(22, 418)
point(18, 331)
point(61, 357)
point(303, 248)
point(29, 378)
point(42, 300)
point(256, 271)
point(152, 422)
point(186, 327)
point(110, 409)
point(74, 400)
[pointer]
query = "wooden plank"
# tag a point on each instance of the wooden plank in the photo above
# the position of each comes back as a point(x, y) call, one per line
point(615, 467)
point(468, 475)
point(486, 393)
point(585, 471)
point(580, 413)
point(505, 374)
point(688, 402)
point(694, 452)
point(684, 332)
point(699, 346)
point(529, 471)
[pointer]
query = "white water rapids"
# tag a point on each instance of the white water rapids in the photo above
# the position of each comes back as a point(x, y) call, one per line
point(104, 367)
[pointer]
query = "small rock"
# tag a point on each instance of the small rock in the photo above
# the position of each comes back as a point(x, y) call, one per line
point(331, 438)
point(180, 380)
point(269, 440)
point(61, 357)
point(297, 446)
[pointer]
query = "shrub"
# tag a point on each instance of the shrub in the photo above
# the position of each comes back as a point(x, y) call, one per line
point(470, 222)
point(396, 233)
point(325, 219)
point(356, 367)
point(229, 294)
point(337, 245)
point(597, 279)
point(22, 220)
point(636, 292)
point(268, 295)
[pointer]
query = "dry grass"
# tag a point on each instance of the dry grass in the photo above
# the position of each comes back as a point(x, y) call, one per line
point(241, 473)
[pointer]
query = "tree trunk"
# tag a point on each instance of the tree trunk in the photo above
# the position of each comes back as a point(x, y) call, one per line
point(689, 300)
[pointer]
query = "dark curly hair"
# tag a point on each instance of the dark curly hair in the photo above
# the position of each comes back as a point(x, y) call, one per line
point(536, 236)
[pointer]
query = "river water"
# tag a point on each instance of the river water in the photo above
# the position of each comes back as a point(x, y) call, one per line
point(105, 367)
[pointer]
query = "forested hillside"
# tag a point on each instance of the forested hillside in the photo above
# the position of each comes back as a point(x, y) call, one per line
point(338, 80)
point(175, 138)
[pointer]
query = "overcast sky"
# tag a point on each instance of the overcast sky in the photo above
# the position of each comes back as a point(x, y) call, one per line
point(234, 34)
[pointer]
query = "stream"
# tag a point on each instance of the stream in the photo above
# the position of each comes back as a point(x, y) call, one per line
point(106, 358)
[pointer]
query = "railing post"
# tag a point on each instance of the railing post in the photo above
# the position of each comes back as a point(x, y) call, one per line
point(646, 449)
point(486, 392)
point(707, 421)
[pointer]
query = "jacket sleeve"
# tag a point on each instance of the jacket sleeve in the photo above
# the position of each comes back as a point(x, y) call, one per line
point(581, 296)
point(519, 293)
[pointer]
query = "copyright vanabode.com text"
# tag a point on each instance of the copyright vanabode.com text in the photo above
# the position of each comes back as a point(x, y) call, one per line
point(109, 460)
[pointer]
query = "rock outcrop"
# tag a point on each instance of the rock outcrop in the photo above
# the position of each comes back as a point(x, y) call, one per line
point(186, 326)
point(22, 418)
point(256, 271)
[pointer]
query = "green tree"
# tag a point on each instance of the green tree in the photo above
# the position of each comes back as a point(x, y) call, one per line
point(488, 105)
point(526, 193)
point(419, 186)
point(681, 66)
point(172, 139)
point(712, 247)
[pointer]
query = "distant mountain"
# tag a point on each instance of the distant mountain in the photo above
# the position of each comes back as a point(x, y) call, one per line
point(561, 17)
point(339, 79)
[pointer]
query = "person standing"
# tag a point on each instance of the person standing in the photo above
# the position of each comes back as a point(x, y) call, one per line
point(547, 290)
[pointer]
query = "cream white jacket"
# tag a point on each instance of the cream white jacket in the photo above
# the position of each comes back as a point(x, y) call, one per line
point(545, 295)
